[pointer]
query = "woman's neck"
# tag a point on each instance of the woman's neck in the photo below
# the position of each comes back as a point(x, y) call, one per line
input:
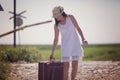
point(63, 21)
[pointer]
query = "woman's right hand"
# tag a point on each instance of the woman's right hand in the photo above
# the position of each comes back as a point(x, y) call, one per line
point(51, 56)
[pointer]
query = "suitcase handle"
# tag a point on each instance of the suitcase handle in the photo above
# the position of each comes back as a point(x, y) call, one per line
point(52, 59)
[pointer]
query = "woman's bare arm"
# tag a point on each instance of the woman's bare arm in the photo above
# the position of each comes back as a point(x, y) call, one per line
point(55, 42)
point(78, 29)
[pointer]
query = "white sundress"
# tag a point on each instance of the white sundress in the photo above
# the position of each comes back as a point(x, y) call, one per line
point(71, 48)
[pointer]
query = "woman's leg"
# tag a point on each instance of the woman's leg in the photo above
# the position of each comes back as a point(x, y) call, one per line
point(74, 69)
point(66, 68)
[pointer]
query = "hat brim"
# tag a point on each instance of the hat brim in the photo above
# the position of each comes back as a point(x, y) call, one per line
point(56, 15)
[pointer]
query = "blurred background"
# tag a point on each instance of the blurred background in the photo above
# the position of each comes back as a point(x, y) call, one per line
point(98, 19)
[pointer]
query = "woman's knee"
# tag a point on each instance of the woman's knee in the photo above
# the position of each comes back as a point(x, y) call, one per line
point(74, 63)
point(66, 64)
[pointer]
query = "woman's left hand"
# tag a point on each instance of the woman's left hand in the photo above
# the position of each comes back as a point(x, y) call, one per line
point(85, 43)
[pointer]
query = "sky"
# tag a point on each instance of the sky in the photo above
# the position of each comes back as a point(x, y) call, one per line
point(98, 19)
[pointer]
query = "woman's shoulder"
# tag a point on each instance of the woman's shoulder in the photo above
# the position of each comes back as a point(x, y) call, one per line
point(70, 15)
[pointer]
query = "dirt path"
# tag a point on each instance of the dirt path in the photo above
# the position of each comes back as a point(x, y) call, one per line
point(91, 70)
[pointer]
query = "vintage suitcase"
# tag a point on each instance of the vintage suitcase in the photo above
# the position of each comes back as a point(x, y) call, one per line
point(50, 70)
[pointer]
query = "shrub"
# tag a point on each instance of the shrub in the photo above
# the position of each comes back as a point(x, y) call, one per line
point(28, 54)
point(5, 69)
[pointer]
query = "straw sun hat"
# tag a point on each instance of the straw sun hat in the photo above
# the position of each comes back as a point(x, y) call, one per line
point(57, 11)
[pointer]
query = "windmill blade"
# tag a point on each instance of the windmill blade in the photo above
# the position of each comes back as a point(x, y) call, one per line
point(1, 9)
point(11, 17)
point(22, 12)
point(11, 12)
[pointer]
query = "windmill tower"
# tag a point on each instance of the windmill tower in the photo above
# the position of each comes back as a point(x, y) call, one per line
point(19, 21)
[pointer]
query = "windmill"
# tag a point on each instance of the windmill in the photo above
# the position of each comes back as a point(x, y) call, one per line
point(19, 21)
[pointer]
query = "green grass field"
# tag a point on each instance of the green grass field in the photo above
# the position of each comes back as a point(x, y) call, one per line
point(91, 52)
point(102, 52)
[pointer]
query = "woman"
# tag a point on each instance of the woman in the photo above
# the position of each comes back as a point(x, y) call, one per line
point(71, 49)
